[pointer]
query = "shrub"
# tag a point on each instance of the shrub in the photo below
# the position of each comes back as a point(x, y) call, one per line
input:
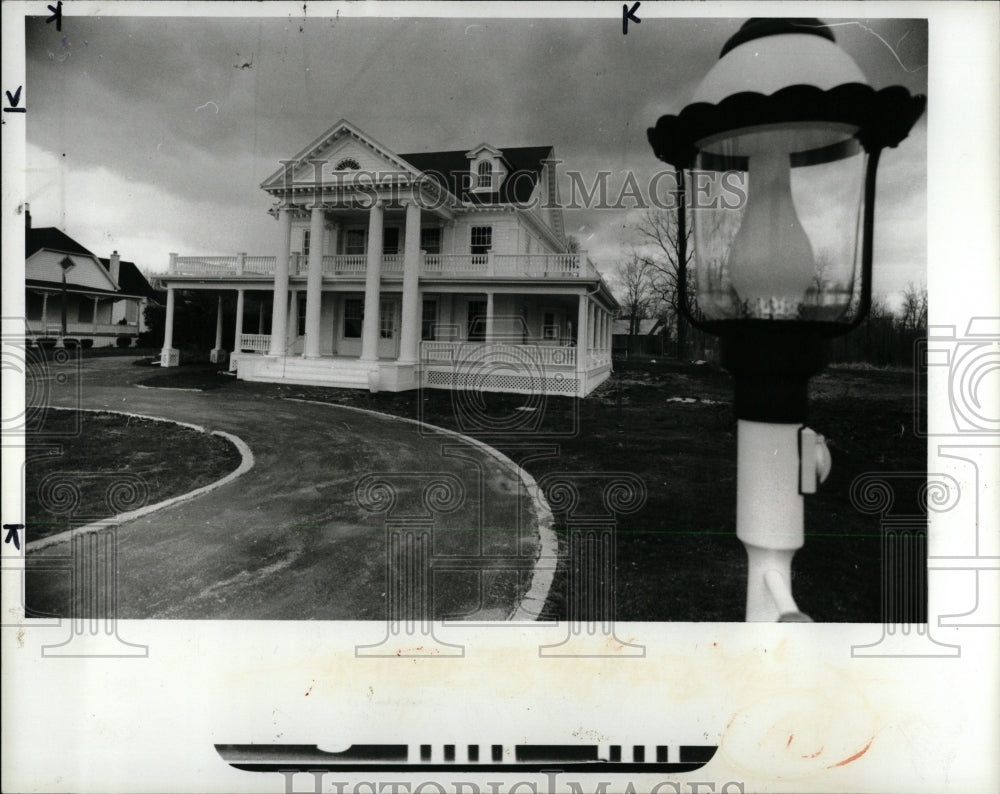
point(124, 340)
point(70, 343)
point(86, 344)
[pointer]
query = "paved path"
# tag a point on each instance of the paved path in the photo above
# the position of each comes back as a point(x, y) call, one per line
point(288, 540)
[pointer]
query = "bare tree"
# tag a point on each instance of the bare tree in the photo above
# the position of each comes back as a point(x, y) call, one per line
point(635, 288)
point(657, 234)
point(913, 312)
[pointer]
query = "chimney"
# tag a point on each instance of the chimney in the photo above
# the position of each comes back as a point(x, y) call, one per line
point(114, 266)
point(27, 215)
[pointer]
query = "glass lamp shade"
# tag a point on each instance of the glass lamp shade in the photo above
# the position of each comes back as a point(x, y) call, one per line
point(777, 215)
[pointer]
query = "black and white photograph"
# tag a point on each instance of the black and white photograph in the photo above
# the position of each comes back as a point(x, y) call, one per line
point(500, 397)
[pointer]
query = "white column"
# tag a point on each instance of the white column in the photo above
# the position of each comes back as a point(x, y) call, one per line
point(279, 312)
point(45, 312)
point(260, 317)
point(218, 354)
point(410, 332)
point(238, 336)
point(373, 275)
point(94, 323)
point(169, 357)
point(293, 317)
point(488, 332)
point(582, 334)
point(314, 284)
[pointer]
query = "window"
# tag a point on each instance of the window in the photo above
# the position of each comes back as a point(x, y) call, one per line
point(354, 241)
point(550, 328)
point(430, 239)
point(485, 176)
point(428, 320)
point(476, 321)
point(305, 243)
point(347, 164)
point(390, 240)
point(301, 330)
point(482, 239)
point(387, 319)
point(354, 316)
point(132, 312)
point(86, 314)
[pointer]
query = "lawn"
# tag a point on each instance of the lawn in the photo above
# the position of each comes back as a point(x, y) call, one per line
point(671, 425)
point(82, 466)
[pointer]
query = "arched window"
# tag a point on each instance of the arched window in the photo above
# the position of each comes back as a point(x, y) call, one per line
point(485, 174)
point(347, 164)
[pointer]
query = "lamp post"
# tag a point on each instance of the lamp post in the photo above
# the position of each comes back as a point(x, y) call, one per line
point(776, 159)
point(67, 265)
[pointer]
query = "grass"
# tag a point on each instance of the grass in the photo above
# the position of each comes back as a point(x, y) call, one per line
point(195, 376)
point(83, 466)
point(677, 558)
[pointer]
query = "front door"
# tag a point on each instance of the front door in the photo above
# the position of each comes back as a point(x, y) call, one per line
point(388, 327)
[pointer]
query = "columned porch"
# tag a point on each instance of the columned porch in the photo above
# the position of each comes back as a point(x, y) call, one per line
point(370, 298)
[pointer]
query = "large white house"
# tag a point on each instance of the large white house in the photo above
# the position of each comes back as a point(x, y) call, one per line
point(446, 269)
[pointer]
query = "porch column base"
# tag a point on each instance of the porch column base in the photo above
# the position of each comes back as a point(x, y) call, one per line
point(218, 355)
point(170, 357)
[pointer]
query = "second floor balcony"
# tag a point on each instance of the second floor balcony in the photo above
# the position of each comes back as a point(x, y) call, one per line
point(347, 266)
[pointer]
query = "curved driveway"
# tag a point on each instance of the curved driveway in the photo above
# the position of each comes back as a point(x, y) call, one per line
point(288, 539)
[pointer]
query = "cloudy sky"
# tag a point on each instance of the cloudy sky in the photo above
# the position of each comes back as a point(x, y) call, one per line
point(151, 135)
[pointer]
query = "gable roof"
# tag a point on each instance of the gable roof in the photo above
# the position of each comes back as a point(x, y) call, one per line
point(130, 279)
point(53, 239)
point(451, 170)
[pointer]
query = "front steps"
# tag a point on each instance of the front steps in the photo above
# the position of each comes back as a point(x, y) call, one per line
point(342, 373)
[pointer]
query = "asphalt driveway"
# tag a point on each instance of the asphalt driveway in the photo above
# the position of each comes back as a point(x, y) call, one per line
point(305, 533)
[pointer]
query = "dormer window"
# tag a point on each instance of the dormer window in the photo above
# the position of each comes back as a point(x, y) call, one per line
point(487, 168)
point(484, 175)
point(347, 164)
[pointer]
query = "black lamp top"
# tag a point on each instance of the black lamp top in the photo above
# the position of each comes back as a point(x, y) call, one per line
point(759, 27)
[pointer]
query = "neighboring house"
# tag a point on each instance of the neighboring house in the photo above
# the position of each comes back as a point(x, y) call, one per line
point(647, 341)
point(104, 298)
point(442, 269)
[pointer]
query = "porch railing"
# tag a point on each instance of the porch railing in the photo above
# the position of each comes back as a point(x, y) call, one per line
point(497, 352)
point(255, 343)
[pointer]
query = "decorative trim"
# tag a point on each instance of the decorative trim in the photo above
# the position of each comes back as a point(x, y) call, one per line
point(883, 118)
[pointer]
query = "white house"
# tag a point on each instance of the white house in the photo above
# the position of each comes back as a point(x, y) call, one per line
point(449, 269)
point(103, 297)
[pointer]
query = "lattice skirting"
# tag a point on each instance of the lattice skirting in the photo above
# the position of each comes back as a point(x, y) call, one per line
point(521, 384)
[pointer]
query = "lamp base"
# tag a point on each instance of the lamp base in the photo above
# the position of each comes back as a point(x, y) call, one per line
point(771, 363)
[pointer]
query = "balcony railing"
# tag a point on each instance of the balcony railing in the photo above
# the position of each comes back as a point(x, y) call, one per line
point(432, 265)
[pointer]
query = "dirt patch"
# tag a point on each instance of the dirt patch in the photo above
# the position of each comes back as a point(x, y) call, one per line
point(83, 466)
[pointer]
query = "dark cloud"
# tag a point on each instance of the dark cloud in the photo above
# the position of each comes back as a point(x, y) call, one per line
point(203, 109)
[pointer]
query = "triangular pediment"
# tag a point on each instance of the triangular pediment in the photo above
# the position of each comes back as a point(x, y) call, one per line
point(483, 148)
point(341, 148)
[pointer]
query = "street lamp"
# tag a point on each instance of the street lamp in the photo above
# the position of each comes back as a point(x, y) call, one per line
point(67, 265)
point(776, 159)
